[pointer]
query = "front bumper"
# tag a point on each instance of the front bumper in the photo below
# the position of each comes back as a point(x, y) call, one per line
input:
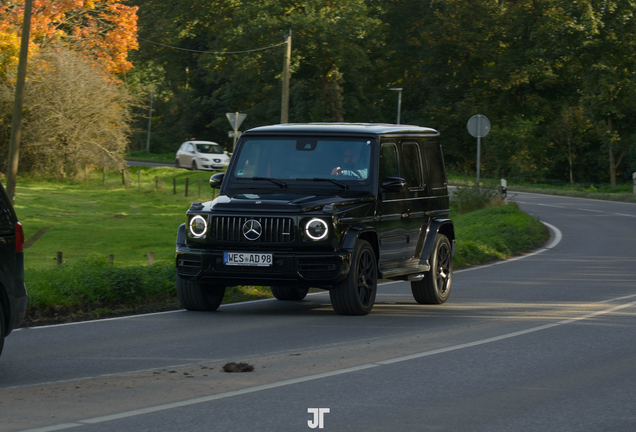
point(213, 165)
point(289, 268)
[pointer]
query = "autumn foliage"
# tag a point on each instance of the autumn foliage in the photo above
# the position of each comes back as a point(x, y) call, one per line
point(104, 30)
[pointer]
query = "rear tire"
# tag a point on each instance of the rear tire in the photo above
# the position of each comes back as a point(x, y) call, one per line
point(177, 164)
point(197, 296)
point(289, 293)
point(356, 294)
point(436, 285)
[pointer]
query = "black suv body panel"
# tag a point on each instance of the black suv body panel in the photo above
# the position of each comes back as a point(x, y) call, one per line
point(13, 296)
point(400, 220)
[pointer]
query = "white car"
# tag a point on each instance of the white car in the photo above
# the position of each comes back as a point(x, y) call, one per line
point(204, 155)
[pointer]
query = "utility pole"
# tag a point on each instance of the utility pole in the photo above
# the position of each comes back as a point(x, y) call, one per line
point(284, 112)
point(16, 125)
point(152, 89)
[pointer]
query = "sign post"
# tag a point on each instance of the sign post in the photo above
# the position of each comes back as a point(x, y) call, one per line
point(235, 120)
point(478, 126)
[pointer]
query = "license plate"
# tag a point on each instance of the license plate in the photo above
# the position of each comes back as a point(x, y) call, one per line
point(247, 259)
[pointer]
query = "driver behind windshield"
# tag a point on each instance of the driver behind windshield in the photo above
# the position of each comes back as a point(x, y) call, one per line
point(350, 165)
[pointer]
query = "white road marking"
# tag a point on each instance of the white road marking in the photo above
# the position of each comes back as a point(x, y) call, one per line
point(558, 236)
point(249, 390)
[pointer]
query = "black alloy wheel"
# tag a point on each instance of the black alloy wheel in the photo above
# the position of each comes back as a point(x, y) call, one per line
point(436, 285)
point(356, 294)
point(198, 296)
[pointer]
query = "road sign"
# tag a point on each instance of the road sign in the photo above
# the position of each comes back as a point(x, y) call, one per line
point(235, 119)
point(478, 126)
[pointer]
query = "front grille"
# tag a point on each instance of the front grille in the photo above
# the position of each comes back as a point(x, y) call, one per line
point(275, 268)
point(189, 264)
point(318, 268)
point(274, 229)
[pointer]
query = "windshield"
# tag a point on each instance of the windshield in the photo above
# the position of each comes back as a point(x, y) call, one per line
point(304, 159)
point(209, 148)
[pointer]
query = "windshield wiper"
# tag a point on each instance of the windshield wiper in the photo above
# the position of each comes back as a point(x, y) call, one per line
point(276, 182)
point(336, 182)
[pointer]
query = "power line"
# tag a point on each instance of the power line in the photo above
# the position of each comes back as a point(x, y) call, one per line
point(211, 52)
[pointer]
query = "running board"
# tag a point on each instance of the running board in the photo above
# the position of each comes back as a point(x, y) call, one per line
point(407, 272)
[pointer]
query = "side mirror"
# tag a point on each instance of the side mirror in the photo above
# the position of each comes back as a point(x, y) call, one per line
point(393, 184)
point(216, 180)
point(224, 151)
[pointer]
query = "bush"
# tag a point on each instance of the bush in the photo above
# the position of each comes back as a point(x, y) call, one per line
point(94, 283)
point(466, 199)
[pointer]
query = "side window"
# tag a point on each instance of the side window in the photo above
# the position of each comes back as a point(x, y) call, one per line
point(435, 165)
point(190, 148)
point(412, 165)
point(388, 161)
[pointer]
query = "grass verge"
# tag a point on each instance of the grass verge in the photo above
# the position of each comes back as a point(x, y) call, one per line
point(622, 192)
point(495, 233)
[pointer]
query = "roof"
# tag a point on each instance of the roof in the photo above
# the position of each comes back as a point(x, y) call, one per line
point(340, 128)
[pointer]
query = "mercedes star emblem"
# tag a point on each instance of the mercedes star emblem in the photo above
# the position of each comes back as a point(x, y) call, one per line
point(252, 229)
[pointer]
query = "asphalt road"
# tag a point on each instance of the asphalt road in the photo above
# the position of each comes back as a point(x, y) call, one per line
point(542, 343)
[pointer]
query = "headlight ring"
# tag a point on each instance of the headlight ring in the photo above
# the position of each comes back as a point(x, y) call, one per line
point(317, 229)
point(198, 226)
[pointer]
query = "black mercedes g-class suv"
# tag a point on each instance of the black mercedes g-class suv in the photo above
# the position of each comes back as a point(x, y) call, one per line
point(332, 206)
point(13, 296)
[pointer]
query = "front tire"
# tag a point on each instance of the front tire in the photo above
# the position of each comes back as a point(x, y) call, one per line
point(436, 285)
point(356, 294)
point(194, 166)
point(197, 296)
point(289, 293)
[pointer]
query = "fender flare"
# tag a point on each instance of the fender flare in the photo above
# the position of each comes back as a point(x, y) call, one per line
point(352, 235)
point(446, 227)
point(181, 235)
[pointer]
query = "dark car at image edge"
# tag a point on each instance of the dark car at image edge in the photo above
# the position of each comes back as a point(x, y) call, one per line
point(331, 206)
point(13, 296)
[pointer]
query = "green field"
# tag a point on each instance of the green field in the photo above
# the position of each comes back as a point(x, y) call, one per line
point(86, 217)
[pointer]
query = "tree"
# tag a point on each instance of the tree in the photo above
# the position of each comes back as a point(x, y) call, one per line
point(75, 115)
point(105, 30)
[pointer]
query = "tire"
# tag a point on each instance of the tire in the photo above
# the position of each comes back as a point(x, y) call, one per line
point(289, 293)
point(196, 296)
point(356, 294)
point(436, 285)
point(177, 164)
point(3, 326)
point(194, 166)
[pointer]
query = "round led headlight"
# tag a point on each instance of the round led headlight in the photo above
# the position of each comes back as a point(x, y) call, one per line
point(198, 226)
point(317, 229)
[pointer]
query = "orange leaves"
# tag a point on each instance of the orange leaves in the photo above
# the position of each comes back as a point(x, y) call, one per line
point(102, 29)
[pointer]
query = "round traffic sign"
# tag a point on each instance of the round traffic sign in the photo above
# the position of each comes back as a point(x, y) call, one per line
point(478, 126)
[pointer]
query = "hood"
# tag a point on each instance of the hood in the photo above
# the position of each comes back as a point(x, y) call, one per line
point(285, 203)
